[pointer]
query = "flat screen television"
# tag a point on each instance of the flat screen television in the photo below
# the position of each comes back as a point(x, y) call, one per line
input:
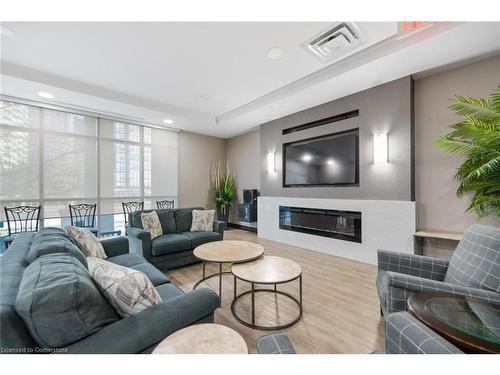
point(331, 159)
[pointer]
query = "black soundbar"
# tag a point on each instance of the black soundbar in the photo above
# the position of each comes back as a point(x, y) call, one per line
point(328, 120)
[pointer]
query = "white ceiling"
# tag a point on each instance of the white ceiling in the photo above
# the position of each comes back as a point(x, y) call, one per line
point(152, 71)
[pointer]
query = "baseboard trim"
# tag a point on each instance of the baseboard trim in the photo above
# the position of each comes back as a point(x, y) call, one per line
point(242, 227)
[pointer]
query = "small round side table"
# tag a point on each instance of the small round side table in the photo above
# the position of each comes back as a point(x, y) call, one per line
point(268, 270)
point(203, 339)
point(228, 251)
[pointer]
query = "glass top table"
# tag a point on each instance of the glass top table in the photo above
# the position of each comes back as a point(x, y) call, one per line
point(471, 324)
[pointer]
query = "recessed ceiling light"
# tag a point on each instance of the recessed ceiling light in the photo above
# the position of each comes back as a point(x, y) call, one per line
point(330, 162)
point(275, 53)
point(168, 121)
point(46, 95)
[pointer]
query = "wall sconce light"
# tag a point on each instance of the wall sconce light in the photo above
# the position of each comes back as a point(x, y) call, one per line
point(271, 165)
point(380, 154)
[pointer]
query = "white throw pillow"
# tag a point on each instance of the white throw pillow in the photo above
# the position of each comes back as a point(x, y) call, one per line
point(203, 221)
point(151, 223)
point(87, 242)
point(129, 291)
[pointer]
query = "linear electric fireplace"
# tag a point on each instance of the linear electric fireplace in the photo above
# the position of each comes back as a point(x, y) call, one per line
point(343, 225)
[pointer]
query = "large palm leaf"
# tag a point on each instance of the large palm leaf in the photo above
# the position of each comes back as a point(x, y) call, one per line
point(477, 138)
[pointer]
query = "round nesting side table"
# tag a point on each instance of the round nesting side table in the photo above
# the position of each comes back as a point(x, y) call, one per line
point(228, 251)
point(268, 270)
point(203, 339)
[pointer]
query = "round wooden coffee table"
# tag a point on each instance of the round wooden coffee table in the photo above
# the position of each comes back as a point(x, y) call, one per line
point(268, 270)
point(203, 339)
point(228, 251)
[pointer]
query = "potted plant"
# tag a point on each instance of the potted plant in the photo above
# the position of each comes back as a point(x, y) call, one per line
point(477, 138)
point(222, 189)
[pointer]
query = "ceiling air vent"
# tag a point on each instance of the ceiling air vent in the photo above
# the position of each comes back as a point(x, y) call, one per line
point(334, 42)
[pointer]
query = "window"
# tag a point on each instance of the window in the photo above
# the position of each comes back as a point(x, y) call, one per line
point(160, 164)
point(126, 170)
point(55, 158)
point(69, 157)
point(134, 167)
point(19, 152)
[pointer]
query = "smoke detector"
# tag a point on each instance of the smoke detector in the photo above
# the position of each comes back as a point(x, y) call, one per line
point(334, 42)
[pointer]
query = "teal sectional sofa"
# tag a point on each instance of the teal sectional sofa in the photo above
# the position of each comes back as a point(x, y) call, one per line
point(49, 303)
point(175, 247)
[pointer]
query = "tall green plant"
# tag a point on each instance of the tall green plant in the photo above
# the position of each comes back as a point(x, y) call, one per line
point(477, 138)
point(222, 186)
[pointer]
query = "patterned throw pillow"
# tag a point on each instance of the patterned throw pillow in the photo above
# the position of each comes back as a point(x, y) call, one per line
point(203, 221)
point(86, 240)
point(129, 291)
point(151, 223)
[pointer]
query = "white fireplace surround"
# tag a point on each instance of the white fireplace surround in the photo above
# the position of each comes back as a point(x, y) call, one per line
point(387, 225)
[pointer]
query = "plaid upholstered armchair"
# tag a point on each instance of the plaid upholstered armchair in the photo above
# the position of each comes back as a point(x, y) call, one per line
point(473, 270)
point(404, 334)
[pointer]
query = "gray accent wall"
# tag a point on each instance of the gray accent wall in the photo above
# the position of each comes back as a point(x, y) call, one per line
point(383, 109)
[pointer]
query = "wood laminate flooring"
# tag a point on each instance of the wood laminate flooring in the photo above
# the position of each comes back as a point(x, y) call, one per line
point(341, 308)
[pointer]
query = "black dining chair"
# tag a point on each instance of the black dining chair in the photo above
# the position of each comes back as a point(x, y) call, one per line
point(164, 204)
point(129, 207)
point(21, 219)
point(83, 215)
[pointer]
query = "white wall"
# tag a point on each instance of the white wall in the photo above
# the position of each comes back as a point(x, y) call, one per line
point(385, 225)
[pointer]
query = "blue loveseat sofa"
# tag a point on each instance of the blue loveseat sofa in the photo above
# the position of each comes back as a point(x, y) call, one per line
point(49, 302)
point(175, 247)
